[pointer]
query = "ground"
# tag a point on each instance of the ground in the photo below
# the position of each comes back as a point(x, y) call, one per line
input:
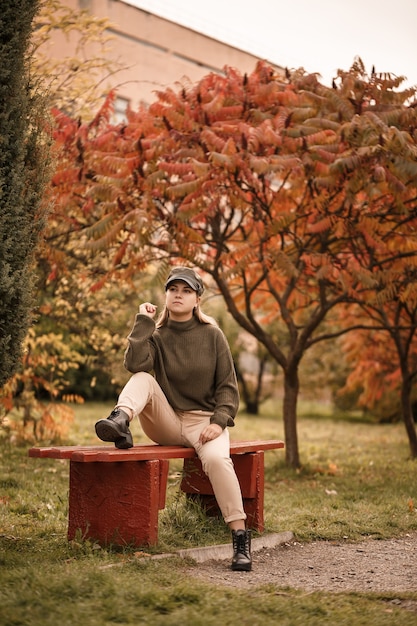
point(368, 566)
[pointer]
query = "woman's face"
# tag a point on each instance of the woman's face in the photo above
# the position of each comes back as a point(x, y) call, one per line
point(180, 301)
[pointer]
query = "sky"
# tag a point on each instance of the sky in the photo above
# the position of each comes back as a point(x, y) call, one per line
point(318, 35)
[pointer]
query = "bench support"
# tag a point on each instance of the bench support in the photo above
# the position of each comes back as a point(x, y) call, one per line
point(117, 503)
point(250, 473)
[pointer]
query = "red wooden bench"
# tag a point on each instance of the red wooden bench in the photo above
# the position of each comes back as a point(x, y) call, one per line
point(115, 495)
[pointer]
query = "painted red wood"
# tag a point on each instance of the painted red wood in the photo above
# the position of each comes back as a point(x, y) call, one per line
point(115, 502)
point(249, 469)
point(163, 482)
point(254, 507)
point(195, 480)
point(142, 452)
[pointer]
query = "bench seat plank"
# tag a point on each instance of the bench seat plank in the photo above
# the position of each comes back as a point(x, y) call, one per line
point(142, 452)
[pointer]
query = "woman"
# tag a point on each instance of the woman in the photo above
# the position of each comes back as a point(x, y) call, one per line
point(192, 397)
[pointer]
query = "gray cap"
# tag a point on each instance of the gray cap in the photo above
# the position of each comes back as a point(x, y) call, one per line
point(187, 275)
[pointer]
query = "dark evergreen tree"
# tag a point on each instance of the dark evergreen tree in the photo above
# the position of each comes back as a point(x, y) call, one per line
point(23, 171)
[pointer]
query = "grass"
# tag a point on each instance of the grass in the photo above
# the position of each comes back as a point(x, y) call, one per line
point(357, 480)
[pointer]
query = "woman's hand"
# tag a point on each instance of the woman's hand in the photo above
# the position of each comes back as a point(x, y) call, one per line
point(147, 309)
point(212, 431)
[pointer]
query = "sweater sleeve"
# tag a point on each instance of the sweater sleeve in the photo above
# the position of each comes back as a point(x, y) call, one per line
point(226, 388)
point(140, 352)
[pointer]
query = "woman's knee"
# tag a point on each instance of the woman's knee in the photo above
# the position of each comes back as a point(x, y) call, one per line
point(140, 383)
point(142, 376)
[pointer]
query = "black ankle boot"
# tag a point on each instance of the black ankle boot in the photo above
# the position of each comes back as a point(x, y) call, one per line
point(242, 561)
point(115, 428)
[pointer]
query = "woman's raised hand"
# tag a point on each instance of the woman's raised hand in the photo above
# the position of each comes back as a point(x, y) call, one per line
point(147, 308)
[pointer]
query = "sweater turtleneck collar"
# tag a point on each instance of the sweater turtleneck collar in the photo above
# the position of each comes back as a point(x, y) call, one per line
point(182, 326)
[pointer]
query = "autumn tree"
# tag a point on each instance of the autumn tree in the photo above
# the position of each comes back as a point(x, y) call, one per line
point(385, 247)
point(23, 177)
point(281, 190)
point(79, 82)
point(74, 332)
point(383, 352)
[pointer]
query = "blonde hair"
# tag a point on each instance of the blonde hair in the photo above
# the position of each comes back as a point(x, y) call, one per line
point(198, 313)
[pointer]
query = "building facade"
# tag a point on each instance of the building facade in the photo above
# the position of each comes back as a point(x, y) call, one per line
point(154, 53)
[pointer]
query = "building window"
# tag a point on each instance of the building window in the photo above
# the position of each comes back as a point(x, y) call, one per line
point(120, 107)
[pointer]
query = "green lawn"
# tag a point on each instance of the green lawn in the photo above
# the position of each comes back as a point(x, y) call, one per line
point(357, 480)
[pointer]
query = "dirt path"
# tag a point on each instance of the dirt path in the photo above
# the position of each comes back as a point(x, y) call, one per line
point(369, 566)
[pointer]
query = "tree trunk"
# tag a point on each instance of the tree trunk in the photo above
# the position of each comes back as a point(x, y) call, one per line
point(252, 397)
point(291, 388)
point(407, 412)
point(252, 407)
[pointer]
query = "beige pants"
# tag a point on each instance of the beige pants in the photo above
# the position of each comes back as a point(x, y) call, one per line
point(143, 396)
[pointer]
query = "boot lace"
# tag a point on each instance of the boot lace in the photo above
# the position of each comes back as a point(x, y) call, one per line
point(241, 543)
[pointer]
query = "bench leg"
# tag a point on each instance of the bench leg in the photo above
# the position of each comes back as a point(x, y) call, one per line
point(254, 504)
point(116, 503)
point(249, 469)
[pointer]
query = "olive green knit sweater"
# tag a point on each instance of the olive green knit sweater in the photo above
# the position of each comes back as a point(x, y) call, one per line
point(191, 362)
